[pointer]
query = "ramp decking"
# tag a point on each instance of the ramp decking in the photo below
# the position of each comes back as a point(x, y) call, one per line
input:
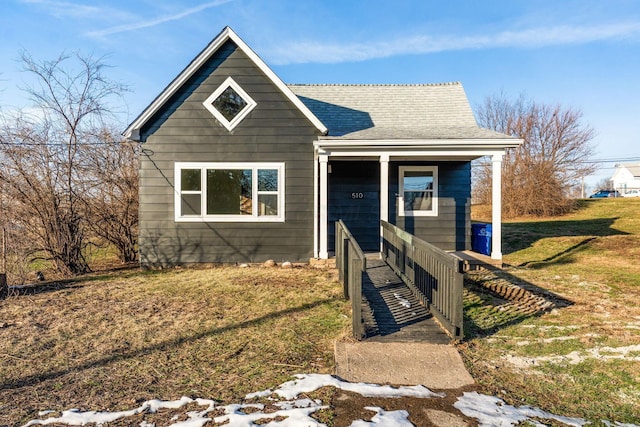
point(391, 312)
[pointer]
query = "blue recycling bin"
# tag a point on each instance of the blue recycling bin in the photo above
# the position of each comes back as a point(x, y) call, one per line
point(481, 238)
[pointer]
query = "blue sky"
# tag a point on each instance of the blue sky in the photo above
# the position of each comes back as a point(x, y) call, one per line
point(583, 54)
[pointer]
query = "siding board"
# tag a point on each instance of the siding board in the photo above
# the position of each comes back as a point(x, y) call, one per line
point(184, 131)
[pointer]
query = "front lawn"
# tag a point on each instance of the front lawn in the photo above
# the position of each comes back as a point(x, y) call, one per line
point(581, 356)
point(114, 340)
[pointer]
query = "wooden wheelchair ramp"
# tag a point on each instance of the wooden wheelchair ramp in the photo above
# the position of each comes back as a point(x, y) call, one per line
point(391, 312)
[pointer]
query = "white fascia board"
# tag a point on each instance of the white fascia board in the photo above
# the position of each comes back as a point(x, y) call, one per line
point(277, 81)
point(133, 131)
point(443, 155)
point(426, 144)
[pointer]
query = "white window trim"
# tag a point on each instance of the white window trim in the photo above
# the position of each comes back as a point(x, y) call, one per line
point(230, 125)
point(254, 217)
point(434, 205)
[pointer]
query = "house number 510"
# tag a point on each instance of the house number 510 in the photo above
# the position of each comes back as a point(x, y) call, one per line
point(357, 195)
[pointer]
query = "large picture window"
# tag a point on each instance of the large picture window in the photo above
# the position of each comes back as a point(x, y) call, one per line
point(229, 192)
point(418, 191)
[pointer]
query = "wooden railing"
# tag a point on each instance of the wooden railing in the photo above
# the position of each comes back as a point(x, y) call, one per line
point(352, 265)
point(435, 276)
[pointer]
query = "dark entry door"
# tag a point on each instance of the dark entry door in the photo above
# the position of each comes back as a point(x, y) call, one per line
point(354, 197)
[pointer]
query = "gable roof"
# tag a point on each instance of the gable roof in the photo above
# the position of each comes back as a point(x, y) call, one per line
point(374, 112)
point(634, 168)
point(132, 132)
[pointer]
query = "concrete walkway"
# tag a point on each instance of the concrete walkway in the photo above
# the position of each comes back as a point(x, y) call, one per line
point(437, 366)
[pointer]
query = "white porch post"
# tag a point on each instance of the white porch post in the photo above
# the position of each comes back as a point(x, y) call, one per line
point(384, 191)
point(323, 159)
point(496, 213)
point(315, 205)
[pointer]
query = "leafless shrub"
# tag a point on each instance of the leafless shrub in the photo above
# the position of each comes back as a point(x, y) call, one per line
point(47, 157)
point(112, 204)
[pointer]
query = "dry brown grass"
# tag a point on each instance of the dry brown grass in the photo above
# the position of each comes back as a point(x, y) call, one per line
point(112, 341)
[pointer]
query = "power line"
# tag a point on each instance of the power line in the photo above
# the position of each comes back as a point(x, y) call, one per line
point(594, 161)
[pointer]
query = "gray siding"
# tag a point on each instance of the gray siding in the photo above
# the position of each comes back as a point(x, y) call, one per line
point(450, 230)
point(184, 131)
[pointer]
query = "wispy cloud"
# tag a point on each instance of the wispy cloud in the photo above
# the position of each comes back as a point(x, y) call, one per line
point(318, 52)
point(76, 10)
point(157, 21)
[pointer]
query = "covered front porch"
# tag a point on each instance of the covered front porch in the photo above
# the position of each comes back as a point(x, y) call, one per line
point(421, 186)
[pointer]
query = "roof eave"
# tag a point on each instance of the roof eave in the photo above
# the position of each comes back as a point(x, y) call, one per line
point(444, 143)
point(133, 130)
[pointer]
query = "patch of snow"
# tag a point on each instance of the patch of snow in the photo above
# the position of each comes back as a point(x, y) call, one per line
point(306, 383)
point(293, 412)
point(521, 342)
point(384, 418)
point(617, 424)
point(155, 404)
point(403, 302)
point(258, 394)
point(494, 412)
point(553, 327)
point(575, 357)
point(75, 417)
point(300, 403)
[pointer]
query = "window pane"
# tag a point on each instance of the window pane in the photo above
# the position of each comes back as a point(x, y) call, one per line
point(418, 201)
point(190, 204)
point(268, 180)
point(418, 181)
point(267, 205)
point(229, 192)
point(190, 180)
point(229, 103)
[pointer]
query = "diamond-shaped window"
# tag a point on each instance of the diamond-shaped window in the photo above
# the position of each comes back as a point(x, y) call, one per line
point(229, 104)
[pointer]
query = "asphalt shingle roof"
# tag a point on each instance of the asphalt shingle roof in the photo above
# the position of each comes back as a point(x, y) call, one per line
point(433, 111)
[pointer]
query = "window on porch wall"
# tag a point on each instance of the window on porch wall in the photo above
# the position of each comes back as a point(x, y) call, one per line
point(418, 190)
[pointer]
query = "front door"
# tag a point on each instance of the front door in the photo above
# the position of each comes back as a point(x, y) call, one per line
point(354, 197)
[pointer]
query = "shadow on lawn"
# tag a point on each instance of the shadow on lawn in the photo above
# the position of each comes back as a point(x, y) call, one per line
point(72, 283)
point(176, 342)
point(494, 299)
point(521, 235)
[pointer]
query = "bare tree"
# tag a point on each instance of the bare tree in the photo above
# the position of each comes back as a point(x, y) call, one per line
point(44, 155)
point(604, 184)
point(540, 175)
point(112, 203)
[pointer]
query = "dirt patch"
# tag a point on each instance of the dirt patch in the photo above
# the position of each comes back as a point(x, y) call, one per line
point(422, 412)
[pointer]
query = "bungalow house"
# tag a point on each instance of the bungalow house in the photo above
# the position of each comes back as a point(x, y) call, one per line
point(626, 177)
point(238, 166)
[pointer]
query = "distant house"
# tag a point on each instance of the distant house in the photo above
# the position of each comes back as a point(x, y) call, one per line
point(238, 166)
point(626, 177)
